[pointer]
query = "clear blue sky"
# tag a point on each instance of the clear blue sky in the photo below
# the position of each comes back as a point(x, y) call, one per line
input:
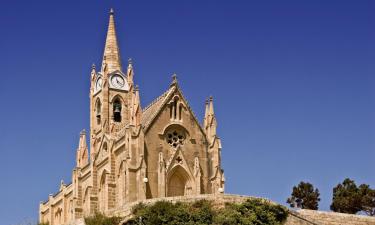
point(293, 83)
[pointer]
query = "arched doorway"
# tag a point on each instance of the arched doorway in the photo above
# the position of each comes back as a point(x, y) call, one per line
point(178, 182)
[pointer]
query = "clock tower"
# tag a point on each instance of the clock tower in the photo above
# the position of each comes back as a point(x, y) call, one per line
point(112, 90)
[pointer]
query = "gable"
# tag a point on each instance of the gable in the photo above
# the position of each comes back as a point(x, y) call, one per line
point(153, 111)
point(103, 148)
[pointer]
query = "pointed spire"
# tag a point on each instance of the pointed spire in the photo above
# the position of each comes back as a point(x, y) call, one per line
point(82, 151)
point(211, 112)
point(136, 91)
point(111, 57)
point(137, 111)
point(210, 123)
point(93, 70)
point(82, 140)
point(206, 113)
point(130, 71)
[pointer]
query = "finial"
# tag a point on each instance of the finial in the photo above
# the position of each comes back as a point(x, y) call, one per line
point(211, 98)
point(130, 61)
point(136, 87)
point(93, 67)
point(206, 101)
point(83, 132)
point(111, 12)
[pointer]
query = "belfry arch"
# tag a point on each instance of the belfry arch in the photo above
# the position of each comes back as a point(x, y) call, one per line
point(179, 183)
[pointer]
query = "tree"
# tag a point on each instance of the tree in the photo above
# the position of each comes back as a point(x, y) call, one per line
point(304, 196)
point(346, 198)
point(367, 199)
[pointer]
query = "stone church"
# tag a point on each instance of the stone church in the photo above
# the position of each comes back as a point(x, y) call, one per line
point(136, 153)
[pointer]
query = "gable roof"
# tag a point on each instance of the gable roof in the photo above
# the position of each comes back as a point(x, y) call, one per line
point(151, 111)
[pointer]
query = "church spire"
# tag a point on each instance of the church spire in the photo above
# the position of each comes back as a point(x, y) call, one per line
point(210, 123)
point(82, 151)
point(111, 57)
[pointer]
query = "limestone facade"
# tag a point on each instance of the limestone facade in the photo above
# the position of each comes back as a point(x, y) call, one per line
point(135, 154)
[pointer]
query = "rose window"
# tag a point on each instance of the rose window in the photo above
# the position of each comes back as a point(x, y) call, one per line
point(175, 138)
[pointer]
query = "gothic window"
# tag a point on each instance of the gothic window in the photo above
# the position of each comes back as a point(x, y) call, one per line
point(102, 192)
point(175, 138)
point(117, 110)
point(105, 147)
point(86, 205)
point(180, 112)
point(98, 109)
point(175, 108)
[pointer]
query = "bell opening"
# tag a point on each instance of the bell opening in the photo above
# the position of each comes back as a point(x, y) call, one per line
point(117, 111)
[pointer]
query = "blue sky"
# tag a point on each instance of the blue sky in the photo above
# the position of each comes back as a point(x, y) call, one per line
point(293, 83)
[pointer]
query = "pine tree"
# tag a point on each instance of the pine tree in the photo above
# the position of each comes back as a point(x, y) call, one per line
point(367, 199)
point(304, 196)
point(346, 197)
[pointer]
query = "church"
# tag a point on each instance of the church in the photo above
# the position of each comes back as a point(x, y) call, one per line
point(136, 153)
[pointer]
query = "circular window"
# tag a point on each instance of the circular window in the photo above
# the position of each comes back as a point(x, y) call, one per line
point(175, 138)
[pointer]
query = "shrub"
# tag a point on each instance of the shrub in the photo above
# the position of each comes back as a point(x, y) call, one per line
point(252, 211)
point(100, 219)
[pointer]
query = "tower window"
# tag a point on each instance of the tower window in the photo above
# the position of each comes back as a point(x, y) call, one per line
point(117, 110)
point(98, 109)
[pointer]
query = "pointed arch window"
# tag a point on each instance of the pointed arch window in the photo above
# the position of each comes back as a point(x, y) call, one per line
point(98, 110)
point(176, 108)
point(102, 192)
point(117, 107)
point(180, 112)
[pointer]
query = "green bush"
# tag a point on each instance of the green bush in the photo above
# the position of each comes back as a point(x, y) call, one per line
point(250, 212)
point(100, 219)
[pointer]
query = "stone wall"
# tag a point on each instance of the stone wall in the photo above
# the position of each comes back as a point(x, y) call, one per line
point(299, 217)
point(312, 217)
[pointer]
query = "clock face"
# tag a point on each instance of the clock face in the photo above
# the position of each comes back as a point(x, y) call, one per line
point(117, 81)
point(98, 84)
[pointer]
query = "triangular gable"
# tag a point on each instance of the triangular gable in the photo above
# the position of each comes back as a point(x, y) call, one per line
point(104, 139)
point(151, 112)
point(178, 159)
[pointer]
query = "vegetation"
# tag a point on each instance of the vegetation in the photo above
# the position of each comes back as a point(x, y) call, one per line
point(252, 211)
point(368, 199)
point(348, 198)
point(304, 196)
point(100, 219)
